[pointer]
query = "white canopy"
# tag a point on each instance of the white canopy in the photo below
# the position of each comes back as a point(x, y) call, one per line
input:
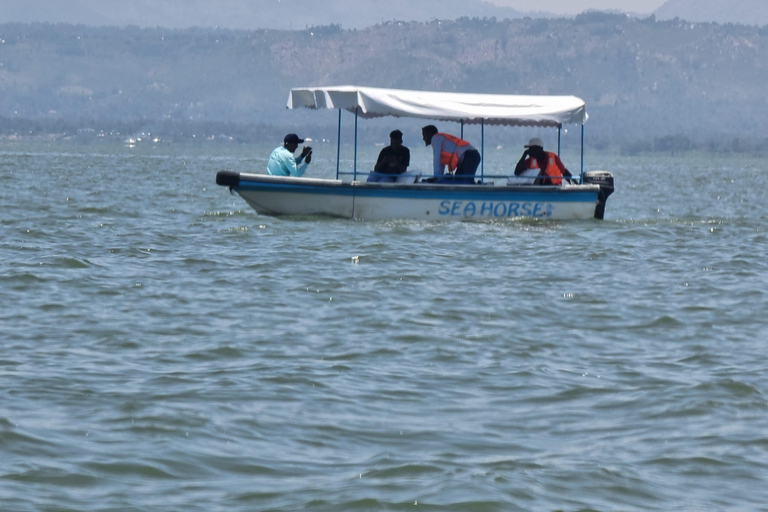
point(496, 109)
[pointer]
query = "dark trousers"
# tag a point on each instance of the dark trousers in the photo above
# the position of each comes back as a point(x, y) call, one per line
point(465, 172)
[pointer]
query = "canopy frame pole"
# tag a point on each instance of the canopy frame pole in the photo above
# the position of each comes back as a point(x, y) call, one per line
point(462, 129)
point(354, 177)
point(559, 132)
point(581, 179)
point(338, 147)
point(482, 150)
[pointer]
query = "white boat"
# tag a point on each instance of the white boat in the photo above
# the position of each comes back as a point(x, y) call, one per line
point(492, 197)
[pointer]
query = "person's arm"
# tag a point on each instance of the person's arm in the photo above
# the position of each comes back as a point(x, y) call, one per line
point(563, 171)
point(405, 161)
point(288, 163)
point(398, 167)
point(382, 161)
point(521, 165)
point(437, 144)
point(306, 155)
point(306, 151)
point(300, 169)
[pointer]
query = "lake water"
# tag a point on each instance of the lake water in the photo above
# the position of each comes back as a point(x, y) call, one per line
point(164, 348)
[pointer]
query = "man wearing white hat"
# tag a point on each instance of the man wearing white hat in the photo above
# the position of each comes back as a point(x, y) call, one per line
point(539, 167)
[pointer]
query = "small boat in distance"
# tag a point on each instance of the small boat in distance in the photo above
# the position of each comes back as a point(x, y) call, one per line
point(491, 197)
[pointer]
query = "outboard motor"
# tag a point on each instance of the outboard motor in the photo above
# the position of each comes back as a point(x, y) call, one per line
point(605, 180)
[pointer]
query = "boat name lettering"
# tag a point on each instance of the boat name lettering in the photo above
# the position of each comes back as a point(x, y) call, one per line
point(450, 208)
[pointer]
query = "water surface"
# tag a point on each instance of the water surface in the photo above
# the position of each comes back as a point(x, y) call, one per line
point(165, 348)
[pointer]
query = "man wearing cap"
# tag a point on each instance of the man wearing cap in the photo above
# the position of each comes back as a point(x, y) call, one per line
point(393, 160)
point(539, 167)
point(283, 163)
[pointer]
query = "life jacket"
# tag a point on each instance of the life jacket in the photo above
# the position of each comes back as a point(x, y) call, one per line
point(552, 170)
point(451, 158)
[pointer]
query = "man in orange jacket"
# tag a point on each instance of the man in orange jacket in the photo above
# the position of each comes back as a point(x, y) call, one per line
point(458, 155)
point(540, 167)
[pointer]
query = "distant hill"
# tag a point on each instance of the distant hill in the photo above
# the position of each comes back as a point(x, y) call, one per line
point(243, 14)
point(748, 12)
point(642, 79)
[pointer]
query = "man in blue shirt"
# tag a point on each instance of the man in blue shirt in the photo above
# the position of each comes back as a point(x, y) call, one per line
point(283, 163)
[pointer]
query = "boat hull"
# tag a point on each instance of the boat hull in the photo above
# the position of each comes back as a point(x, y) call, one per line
point(273, 195)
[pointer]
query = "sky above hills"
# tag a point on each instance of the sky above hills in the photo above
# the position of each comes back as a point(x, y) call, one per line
point(578, 6)
point(292, 13)
point(354, 14)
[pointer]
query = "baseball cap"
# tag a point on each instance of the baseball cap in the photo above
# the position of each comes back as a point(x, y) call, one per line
point(292, 137)
point(535, 142)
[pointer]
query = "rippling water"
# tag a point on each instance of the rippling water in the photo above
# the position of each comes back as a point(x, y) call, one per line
point(166, 349)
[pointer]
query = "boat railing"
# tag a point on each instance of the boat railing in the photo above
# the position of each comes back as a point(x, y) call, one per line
point(415, 177)
point(406, 177)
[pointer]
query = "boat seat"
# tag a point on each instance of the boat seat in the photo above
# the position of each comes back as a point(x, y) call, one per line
point(408, 178)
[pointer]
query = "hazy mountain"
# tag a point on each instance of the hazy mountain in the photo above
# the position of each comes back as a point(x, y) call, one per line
point(243, 14)
point(748, 12)
point(641, 78)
